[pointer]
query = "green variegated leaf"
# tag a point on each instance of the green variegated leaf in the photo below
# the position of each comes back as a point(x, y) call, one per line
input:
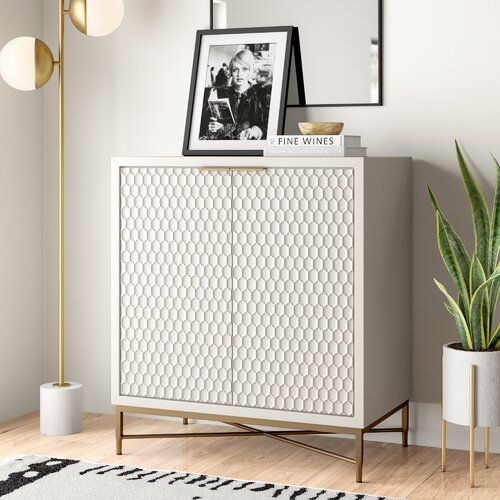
point(483, 332)
point(462, 326)
point(458, 322)
point(450, 260)
point(479, 212)
point(449, 309)
point(462, 305)
point(493, 298)
point(495, 223)
point(476, 312)
point(486, 315)
point(495, 339)
point(495, 243)
point(477, 276)
point(455, 240)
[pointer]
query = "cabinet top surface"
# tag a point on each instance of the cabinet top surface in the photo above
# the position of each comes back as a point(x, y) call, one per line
point(252, 161)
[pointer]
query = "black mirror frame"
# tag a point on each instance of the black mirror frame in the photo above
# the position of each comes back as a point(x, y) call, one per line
point(380, 65)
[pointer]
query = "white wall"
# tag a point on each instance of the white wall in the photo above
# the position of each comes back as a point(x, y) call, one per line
point(127, 95)
point(21, 223)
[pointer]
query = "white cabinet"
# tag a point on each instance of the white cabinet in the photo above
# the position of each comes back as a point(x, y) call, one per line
point(271, 289)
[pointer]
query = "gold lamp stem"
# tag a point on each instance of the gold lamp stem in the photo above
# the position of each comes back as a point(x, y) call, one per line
point(61, 193)
point(62, 12)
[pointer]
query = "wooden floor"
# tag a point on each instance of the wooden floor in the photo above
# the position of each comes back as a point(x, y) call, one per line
point(389, 469)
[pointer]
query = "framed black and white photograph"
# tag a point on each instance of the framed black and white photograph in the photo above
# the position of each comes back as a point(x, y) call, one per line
point(239, 88)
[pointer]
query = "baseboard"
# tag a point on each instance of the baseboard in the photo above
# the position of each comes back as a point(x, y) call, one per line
point(425, 430)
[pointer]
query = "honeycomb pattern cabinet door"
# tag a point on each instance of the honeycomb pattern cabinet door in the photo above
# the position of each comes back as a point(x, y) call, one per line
point(293, 338)
point(175, 275)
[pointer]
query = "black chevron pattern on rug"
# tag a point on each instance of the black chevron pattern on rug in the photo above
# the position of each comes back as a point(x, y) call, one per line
point(36, 470)
point(217, 483)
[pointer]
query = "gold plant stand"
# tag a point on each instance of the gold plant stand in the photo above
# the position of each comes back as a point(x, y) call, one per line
point(472, 427)
point(247, 431)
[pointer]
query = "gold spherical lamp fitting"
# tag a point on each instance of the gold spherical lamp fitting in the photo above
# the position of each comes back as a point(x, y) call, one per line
point(78, 14)
point(96, 17)
point(44, 63)
point(26, 63)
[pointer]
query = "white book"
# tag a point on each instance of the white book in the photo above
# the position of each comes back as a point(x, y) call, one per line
point(340, 151)
point(313, 141)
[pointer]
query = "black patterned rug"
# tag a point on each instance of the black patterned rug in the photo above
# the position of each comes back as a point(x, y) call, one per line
point(45, 478)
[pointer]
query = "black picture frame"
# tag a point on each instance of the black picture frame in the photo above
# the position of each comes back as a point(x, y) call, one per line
point(291, 44)
point(302, 100)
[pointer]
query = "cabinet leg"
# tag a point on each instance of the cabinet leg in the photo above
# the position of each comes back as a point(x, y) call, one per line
point(118, 430)
point(185, 421)
point(405, 423)
point(359, 456)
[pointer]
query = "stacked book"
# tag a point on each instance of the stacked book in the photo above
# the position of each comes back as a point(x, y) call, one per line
point(314, 145)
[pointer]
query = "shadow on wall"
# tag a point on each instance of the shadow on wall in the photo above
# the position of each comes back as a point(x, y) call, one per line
point(293, 117)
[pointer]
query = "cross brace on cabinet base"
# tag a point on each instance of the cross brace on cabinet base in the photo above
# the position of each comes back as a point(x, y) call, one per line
point(279, 435)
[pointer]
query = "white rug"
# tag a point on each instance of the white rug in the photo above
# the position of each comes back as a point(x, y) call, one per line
point(45, 478)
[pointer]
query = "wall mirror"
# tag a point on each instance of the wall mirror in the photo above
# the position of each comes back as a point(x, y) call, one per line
point(341, 44)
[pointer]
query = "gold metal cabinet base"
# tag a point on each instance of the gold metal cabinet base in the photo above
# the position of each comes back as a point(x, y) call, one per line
point(247, 431)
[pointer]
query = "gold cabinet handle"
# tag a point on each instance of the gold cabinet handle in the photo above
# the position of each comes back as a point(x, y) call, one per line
point(231, 169)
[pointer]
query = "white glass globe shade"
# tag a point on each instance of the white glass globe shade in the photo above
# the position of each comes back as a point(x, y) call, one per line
point(97, 17)
point(26, 63)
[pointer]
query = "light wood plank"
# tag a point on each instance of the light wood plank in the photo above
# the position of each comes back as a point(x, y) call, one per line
point(454, 483)
point(389, 469)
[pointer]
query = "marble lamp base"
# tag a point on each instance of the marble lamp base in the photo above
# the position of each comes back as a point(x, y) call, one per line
point(61, 409)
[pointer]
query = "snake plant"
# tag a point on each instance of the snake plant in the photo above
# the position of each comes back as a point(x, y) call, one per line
point(476, 277)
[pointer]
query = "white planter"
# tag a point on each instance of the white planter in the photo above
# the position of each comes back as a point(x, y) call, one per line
point(456, 387)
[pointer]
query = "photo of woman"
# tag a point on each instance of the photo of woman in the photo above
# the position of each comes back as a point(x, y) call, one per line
point(239, 109)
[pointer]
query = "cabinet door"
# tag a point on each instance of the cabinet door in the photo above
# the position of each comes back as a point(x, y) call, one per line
point(293, 338)
point(175, 274)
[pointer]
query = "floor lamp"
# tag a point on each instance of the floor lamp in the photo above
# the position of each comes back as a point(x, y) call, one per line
point(27, 63)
